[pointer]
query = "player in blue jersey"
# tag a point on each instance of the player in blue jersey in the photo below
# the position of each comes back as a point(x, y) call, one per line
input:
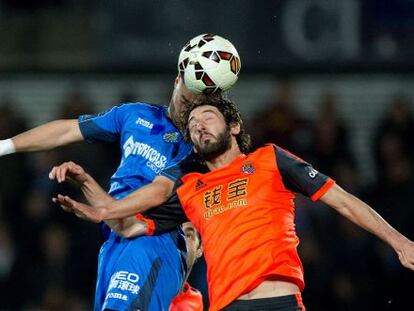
point(142, 273)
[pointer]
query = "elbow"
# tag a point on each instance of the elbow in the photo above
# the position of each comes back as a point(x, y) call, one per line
point(163, 198)
point(124, 232)
point(131, 227)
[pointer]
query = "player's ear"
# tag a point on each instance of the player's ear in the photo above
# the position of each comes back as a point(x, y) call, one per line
point(177, 80)
point(199, 251)
point(235, 129)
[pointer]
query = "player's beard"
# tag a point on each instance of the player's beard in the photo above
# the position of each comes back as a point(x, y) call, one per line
point(210, 150)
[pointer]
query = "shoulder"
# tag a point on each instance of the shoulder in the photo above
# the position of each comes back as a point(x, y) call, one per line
point(141, 106)
point(263, 153)
point(186, 167)
point(265, 149)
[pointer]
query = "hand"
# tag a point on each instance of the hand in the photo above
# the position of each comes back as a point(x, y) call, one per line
point(406, 254)
point(84, 211)
point(70, 171)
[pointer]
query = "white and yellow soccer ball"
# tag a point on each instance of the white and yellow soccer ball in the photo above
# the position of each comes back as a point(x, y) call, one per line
point(208, 64)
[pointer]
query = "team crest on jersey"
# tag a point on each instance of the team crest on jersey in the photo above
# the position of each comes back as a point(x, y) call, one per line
point(171, 137)
point(248, 168)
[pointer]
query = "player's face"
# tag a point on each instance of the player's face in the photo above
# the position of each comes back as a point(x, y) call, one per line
point(194, 247)
point(210, 134)
point(180, 95)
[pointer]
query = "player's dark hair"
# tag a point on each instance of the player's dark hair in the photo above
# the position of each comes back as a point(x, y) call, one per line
point(227, 108)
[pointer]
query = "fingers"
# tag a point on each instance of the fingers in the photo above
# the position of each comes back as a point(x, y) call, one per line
point(81, 210)
point(64, 203)
point(59, 173)
point(69, 205)
point(52, 174)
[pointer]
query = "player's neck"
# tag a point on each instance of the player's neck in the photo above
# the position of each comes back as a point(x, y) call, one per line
point(225, 158)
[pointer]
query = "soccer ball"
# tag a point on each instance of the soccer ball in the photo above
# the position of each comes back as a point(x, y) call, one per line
point(208, 64)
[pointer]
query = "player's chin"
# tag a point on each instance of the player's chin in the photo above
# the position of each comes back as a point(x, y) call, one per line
point(207, 141)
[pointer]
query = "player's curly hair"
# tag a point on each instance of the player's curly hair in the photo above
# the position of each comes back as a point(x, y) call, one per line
point(228, 109)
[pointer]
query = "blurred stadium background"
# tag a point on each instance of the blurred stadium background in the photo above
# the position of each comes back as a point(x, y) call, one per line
point(330, 80)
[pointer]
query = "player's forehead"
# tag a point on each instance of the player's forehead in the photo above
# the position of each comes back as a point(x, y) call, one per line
point(201, 110)
point(189, 229)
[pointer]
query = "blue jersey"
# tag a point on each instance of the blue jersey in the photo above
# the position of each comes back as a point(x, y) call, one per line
point(149, 142)
point(143, 273)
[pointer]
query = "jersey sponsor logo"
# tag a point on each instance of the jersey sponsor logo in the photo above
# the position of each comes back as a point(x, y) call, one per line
point(117, 296)
point(155, 160)
point(312, 173)
point(217, 201)
point(144, 123)
point(248, 168)
point(124, 281)
point(171, 137)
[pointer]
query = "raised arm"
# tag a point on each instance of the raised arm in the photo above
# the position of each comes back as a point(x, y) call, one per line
point(70, 171)
point(141, 200)
point(364, 216)
point(44, 137)
point(104, 207)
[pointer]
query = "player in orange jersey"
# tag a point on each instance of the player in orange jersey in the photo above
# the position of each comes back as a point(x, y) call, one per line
point(242, 205)
point(189, 299)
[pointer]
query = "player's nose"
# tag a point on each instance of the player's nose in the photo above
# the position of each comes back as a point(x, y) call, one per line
point(199, 126)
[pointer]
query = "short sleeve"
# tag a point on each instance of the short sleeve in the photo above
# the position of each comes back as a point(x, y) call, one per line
point(299, 176)
point(104, 126)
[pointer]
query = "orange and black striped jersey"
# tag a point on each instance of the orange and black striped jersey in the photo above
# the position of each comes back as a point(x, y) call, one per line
point(245, 215)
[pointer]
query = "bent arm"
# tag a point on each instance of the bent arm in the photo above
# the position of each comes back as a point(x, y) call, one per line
point(139, 201)
point(48, 136)
point(364, 216)
point(128, 227)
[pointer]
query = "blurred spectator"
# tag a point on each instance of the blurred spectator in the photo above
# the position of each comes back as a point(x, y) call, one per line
point(15, 169)
point(11, 121)
point(393, 137)
point(74, 105)
point(330, 139)
point(279, 122)
point(351, 280)
point(127, 96)
point(50, 273)
point(393, 195)
point(7, 259)
point(394, 199)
